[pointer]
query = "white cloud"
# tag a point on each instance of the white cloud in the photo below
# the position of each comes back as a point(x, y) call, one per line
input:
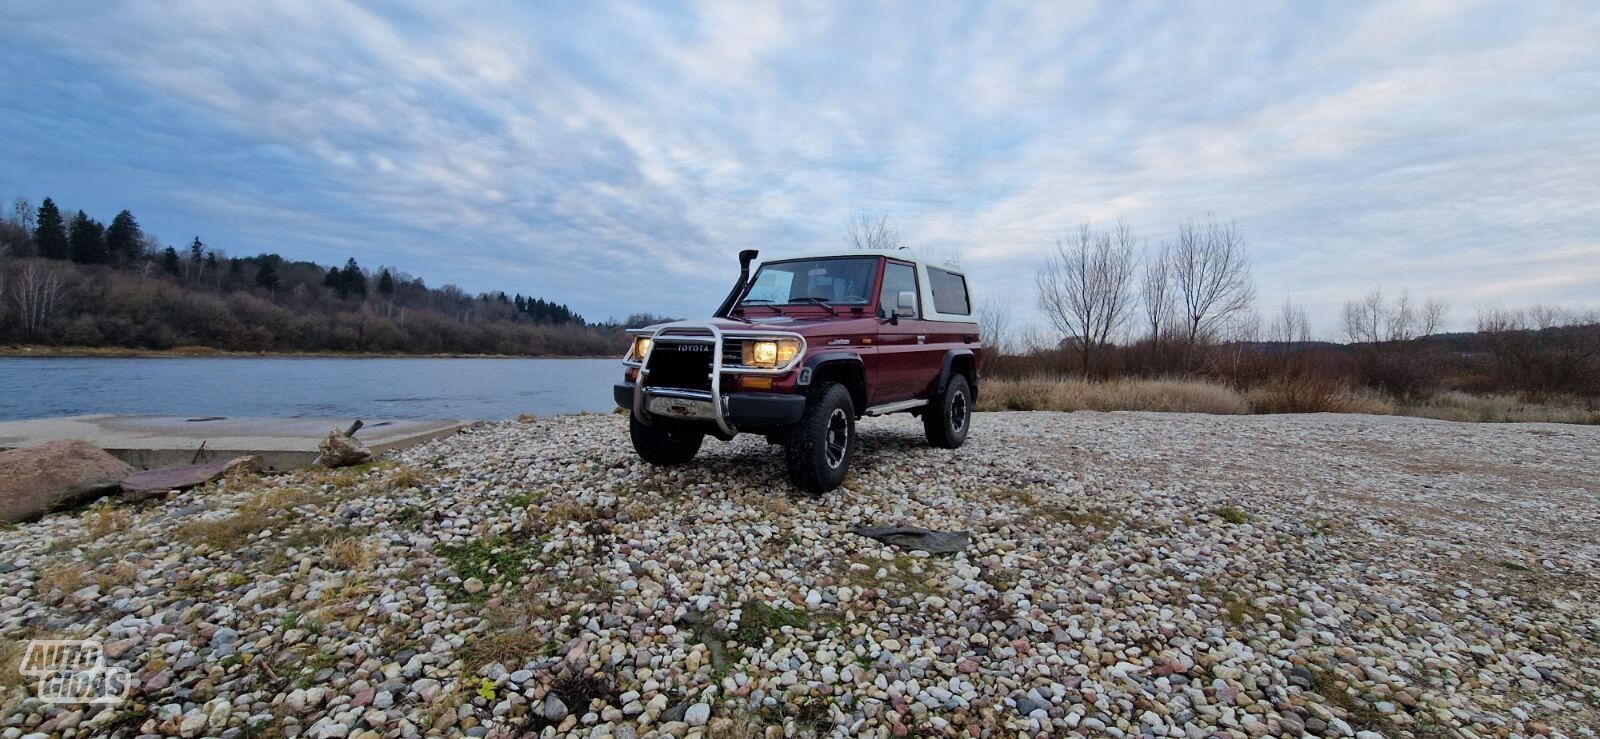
point(1405, 144)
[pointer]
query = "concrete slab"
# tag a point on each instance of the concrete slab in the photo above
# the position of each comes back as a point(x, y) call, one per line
point(147, 442)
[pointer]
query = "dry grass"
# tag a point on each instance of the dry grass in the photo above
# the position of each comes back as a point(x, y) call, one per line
point(121, 573)
point(407, 477)
point(741, 725)
point(60, 578)
point(558, 514)
point(106, 518)
point(1315, 396)
point(351, 554)
point(12, 647)
point(1458, 406)
point(1059, 394)
point(1309, 396)
point(516, 633)
point(270, 509)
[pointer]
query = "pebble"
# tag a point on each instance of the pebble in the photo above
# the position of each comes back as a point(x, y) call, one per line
point(1101, 594)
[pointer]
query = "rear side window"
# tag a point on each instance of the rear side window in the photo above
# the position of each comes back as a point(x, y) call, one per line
point(949, 292)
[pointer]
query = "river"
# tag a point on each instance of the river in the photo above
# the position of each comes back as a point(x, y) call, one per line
point(304, 388)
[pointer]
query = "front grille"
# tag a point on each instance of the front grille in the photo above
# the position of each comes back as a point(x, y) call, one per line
point(682, 365)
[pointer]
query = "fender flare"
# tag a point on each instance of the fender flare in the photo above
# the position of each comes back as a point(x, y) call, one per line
point(948, 369)
point(816, 361)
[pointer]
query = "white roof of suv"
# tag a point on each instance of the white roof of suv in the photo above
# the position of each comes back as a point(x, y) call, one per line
point(907, 255)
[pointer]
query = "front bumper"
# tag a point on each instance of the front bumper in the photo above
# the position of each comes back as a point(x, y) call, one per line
point(739, 410)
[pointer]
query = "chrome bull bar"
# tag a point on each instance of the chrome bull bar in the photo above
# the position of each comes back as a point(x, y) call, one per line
point(690, 332)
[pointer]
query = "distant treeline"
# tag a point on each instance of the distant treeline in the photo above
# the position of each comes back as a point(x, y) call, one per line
point(73, 281)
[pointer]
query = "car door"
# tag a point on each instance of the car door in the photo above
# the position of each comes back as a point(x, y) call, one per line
point(899, 345)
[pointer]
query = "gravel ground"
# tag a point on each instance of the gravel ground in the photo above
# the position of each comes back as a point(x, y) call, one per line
point(1129, 574)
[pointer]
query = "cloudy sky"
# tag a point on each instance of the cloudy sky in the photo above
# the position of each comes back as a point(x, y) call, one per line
point(616, 157)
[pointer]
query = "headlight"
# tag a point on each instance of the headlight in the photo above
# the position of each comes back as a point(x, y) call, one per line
point(641, 345)
point(769, 354)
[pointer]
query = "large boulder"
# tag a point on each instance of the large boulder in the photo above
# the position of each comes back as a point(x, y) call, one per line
point(37, 480)
point(341, 449)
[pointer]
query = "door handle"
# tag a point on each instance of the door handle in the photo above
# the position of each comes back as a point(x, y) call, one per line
point(922, 339)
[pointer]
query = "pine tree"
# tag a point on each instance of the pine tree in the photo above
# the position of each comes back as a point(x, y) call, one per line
point(124, 239)
point(267, 275)
point(355, 283)
point(334, 281)
point(386, 284)
point(50, 235)
point(196, 251)
point(87, 240)
point(235, 273)
point(169, 262)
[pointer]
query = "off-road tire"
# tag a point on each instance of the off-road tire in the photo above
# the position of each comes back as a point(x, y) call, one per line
point(949, 416)
point(817, 461)
point(664, 443)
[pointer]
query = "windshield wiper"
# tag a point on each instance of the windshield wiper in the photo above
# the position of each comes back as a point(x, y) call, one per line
point(819, 301)
point(761, 303)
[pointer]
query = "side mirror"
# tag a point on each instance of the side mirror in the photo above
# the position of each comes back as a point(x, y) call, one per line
point(906, 304)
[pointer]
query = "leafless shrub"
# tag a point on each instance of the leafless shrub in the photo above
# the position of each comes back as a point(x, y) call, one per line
point(1544, 349)
point(994, 325)
point(868, 231)
point(1311, 394)
point(1373, 320)
point(1387, 334)
point(1083, 287)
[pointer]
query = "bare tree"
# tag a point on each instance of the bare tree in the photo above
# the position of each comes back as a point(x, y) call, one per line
point(1291, 326)
point(1210, 278)
point(1084, 287)
point(38, 292)
point(1374, 320)
point(994, 326)
point(868, 231)
point(24, 213)
point(1156, 292)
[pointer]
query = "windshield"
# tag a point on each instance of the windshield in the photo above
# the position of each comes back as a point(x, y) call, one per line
point(836, 281)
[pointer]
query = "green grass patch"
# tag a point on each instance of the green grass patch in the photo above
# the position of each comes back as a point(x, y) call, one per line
point(1231, 515)
point(492, 560)
point(524, 499)
point(758, 620)
point(1361, 715)
point(903, 575)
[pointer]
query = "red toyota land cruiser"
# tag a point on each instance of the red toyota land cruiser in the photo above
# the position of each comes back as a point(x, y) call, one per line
point(802, 350)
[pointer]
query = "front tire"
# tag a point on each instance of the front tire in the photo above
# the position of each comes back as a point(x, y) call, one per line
point(663, 443)
point(949, 416)
point(823, 443)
